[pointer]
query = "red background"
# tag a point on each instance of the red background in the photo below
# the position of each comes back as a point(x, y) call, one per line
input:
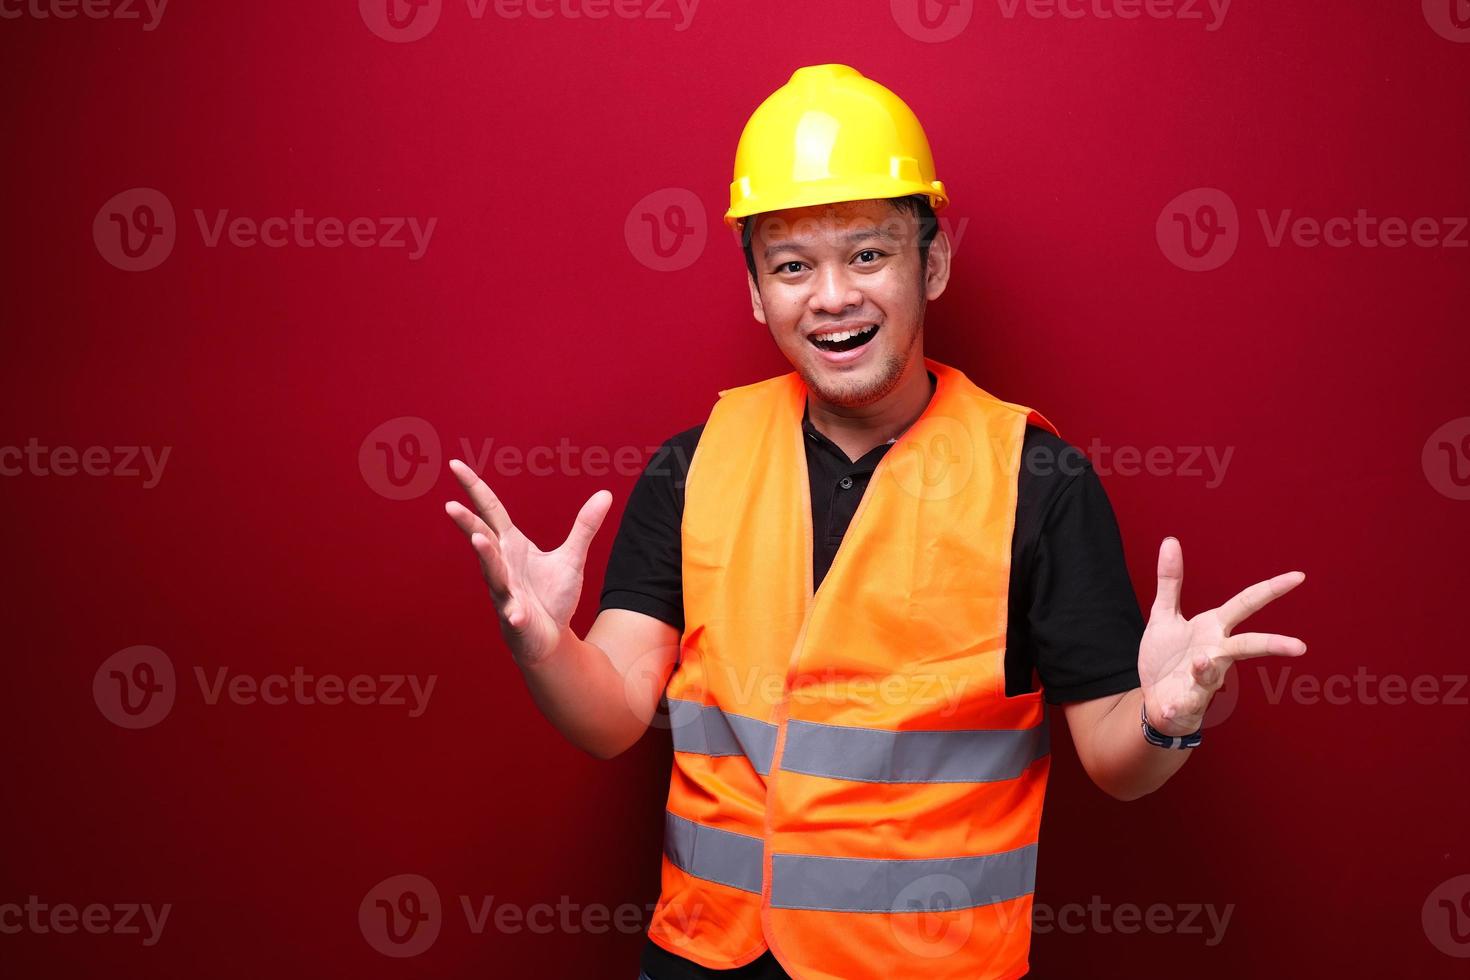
point(531, 319)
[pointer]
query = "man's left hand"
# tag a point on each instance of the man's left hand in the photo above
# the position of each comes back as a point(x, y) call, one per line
point(1182, 662)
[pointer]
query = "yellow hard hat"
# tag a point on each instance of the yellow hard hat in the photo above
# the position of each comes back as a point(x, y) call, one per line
point(830, 134)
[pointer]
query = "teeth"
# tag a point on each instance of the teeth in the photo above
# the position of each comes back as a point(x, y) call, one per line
point(846, 334)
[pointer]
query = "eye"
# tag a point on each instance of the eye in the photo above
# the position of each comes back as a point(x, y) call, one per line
point(785, 267)
point(872, 253)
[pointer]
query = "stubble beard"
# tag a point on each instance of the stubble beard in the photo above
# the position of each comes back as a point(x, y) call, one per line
point(857, 393)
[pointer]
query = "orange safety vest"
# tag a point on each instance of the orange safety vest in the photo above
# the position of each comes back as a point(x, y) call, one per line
point(851, 786)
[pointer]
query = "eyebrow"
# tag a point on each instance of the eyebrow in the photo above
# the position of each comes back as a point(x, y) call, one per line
point(851, 238)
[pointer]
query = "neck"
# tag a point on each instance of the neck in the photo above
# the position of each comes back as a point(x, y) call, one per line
point(858, 430)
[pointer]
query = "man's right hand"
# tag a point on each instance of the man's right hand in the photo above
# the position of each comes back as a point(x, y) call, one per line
point(535, 592)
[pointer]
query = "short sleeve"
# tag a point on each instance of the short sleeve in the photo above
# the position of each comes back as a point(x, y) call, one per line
point(645, 567)
point(1085, 624)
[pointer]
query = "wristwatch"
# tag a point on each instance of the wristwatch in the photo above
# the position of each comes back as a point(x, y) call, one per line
point(1156, 737)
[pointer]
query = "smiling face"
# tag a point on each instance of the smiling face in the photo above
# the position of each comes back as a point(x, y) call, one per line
point(843, 292)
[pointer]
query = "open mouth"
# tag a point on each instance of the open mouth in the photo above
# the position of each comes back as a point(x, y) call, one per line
point(845, 340)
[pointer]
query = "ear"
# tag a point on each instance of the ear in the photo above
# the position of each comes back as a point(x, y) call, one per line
point(936, 277)
point(757, 308)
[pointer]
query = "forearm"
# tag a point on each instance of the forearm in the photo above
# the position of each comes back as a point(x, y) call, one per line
point(584, 696)
point(1122, 762)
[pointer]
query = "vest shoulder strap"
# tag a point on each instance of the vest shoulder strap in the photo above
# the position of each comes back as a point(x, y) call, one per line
point(761, 387)
point(780, 383)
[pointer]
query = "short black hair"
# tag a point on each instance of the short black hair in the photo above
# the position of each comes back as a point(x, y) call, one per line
point(915, 204)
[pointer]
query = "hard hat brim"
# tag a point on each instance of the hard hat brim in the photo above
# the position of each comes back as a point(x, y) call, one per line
point(837, 191)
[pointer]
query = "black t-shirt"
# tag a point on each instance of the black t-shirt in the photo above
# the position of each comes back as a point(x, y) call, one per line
point(1074, 621)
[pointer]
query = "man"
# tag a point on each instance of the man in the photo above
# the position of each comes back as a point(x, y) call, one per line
point(844, 586)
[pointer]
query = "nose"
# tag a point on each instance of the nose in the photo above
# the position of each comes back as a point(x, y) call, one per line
point(832, 290)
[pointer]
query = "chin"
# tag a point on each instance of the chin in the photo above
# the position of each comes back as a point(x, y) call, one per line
point(854, 389)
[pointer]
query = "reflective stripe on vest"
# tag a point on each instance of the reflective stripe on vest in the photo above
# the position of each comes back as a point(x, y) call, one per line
point(862, 754)
point(706, 730)
point(828, 884)
point(713, 854)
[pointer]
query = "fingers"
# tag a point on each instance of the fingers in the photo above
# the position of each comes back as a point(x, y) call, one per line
point(1257, 596)
point(1205, 671)
point(1171, 577)
point(492, 564)
point(493, 568)
point(1207, 675)
point(1209, 672)
point(585, 527)
point(1190, 705)
point(1248, 645)
point(465, 519)
point(486, 503)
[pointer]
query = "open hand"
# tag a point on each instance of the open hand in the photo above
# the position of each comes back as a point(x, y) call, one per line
point(535, 592)
point(1182, 662)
